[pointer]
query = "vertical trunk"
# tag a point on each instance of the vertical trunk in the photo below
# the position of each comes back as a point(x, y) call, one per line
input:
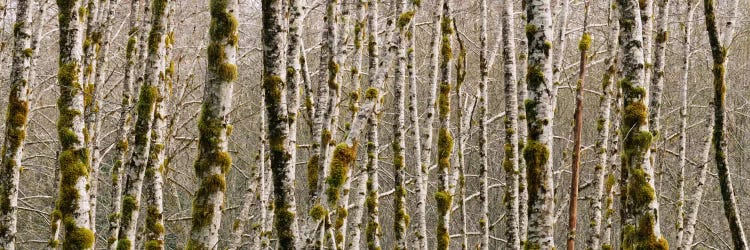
point(154, 177)
point(640, 222)
point(684, 82)
point(123, 123)
point(511, 158)
point(719, 55)
point(559, 44)
point(91, 43)
point(321, 133)
point(461, 127)
point(700, 180)
point(145, 111)
point(539, 114)
point(444, 195)
point(483, 180)
point(602, 180)
point(372, 231)
point(276, 108)
point(213, 160)
point(15, 124)
point(266, 182)
point(355, 235)
point(73, 200)
point(583, 46)
point(523, 193)
point(399, 128)
point(657, 79)
point(427, 136)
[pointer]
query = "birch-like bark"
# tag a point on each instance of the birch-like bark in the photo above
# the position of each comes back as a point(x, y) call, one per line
point(523, 193)
point(583, 46)
point(213, 160)
point(444, 194)
point(266, 183)
point(15, 124)
point(684, 82)
point(640, 221)
point(427, 135)
point(511, 157)
point(121, 149)
point(154, 177)
point(657, 79)
point(399, 128)
point(460, 171)
point(72, 205)
point(700, 179)
point(107, 7)
point(355, 235)
point(602, 181)
point(483, 168)
point(316, 167)
point(539, 114)
point(719, 54)
point(91, 42)
point(277, 111)
point(136, 168)
point(559, 44)
point(372, 231)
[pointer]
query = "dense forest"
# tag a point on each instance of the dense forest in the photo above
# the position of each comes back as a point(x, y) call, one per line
point(375, 124)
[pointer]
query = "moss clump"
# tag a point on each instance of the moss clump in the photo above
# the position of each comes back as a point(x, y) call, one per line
point(536, 156)
point(317, 212)
point(585, 42)
point(444, 200)
point(634, 115)
point(641, 236)
point(404, 19)
point(312, 173)
point(78, 238)
point(371, 93)
point(343, 156)
point(445, 147)
point(284, 218)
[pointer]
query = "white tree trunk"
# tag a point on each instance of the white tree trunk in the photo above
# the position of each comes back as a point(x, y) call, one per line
point(640, 221)
point(136, 167)
point(602, 180)
point(426, 137)
point(539, 114)
point(15, 124)
point(684, 82)
point(511, 152)
point(73, 204)
point(213, 161)
point(121, 149)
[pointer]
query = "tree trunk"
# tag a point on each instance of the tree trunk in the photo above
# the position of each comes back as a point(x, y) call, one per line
point(15, 124)
point(640, 222)
point(355, 235)
point(156, 165)
point(539, 114)
point(145, 112)
point(73, 200)
point(444, 195)
point(213, 160)
point(583, 46)
point(685, 80)
point(399, 128)
point(511, 158)
point(427, 136)
point(719, 55)
point(121, 149)
point(602, 180)
point(523, 193)
point(483, 169)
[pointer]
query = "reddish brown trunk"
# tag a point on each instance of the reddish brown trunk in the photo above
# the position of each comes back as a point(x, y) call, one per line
point(572, 216)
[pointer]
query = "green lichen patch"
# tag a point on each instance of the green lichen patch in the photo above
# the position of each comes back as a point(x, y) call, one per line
point(371, 93)
point(404, 19)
